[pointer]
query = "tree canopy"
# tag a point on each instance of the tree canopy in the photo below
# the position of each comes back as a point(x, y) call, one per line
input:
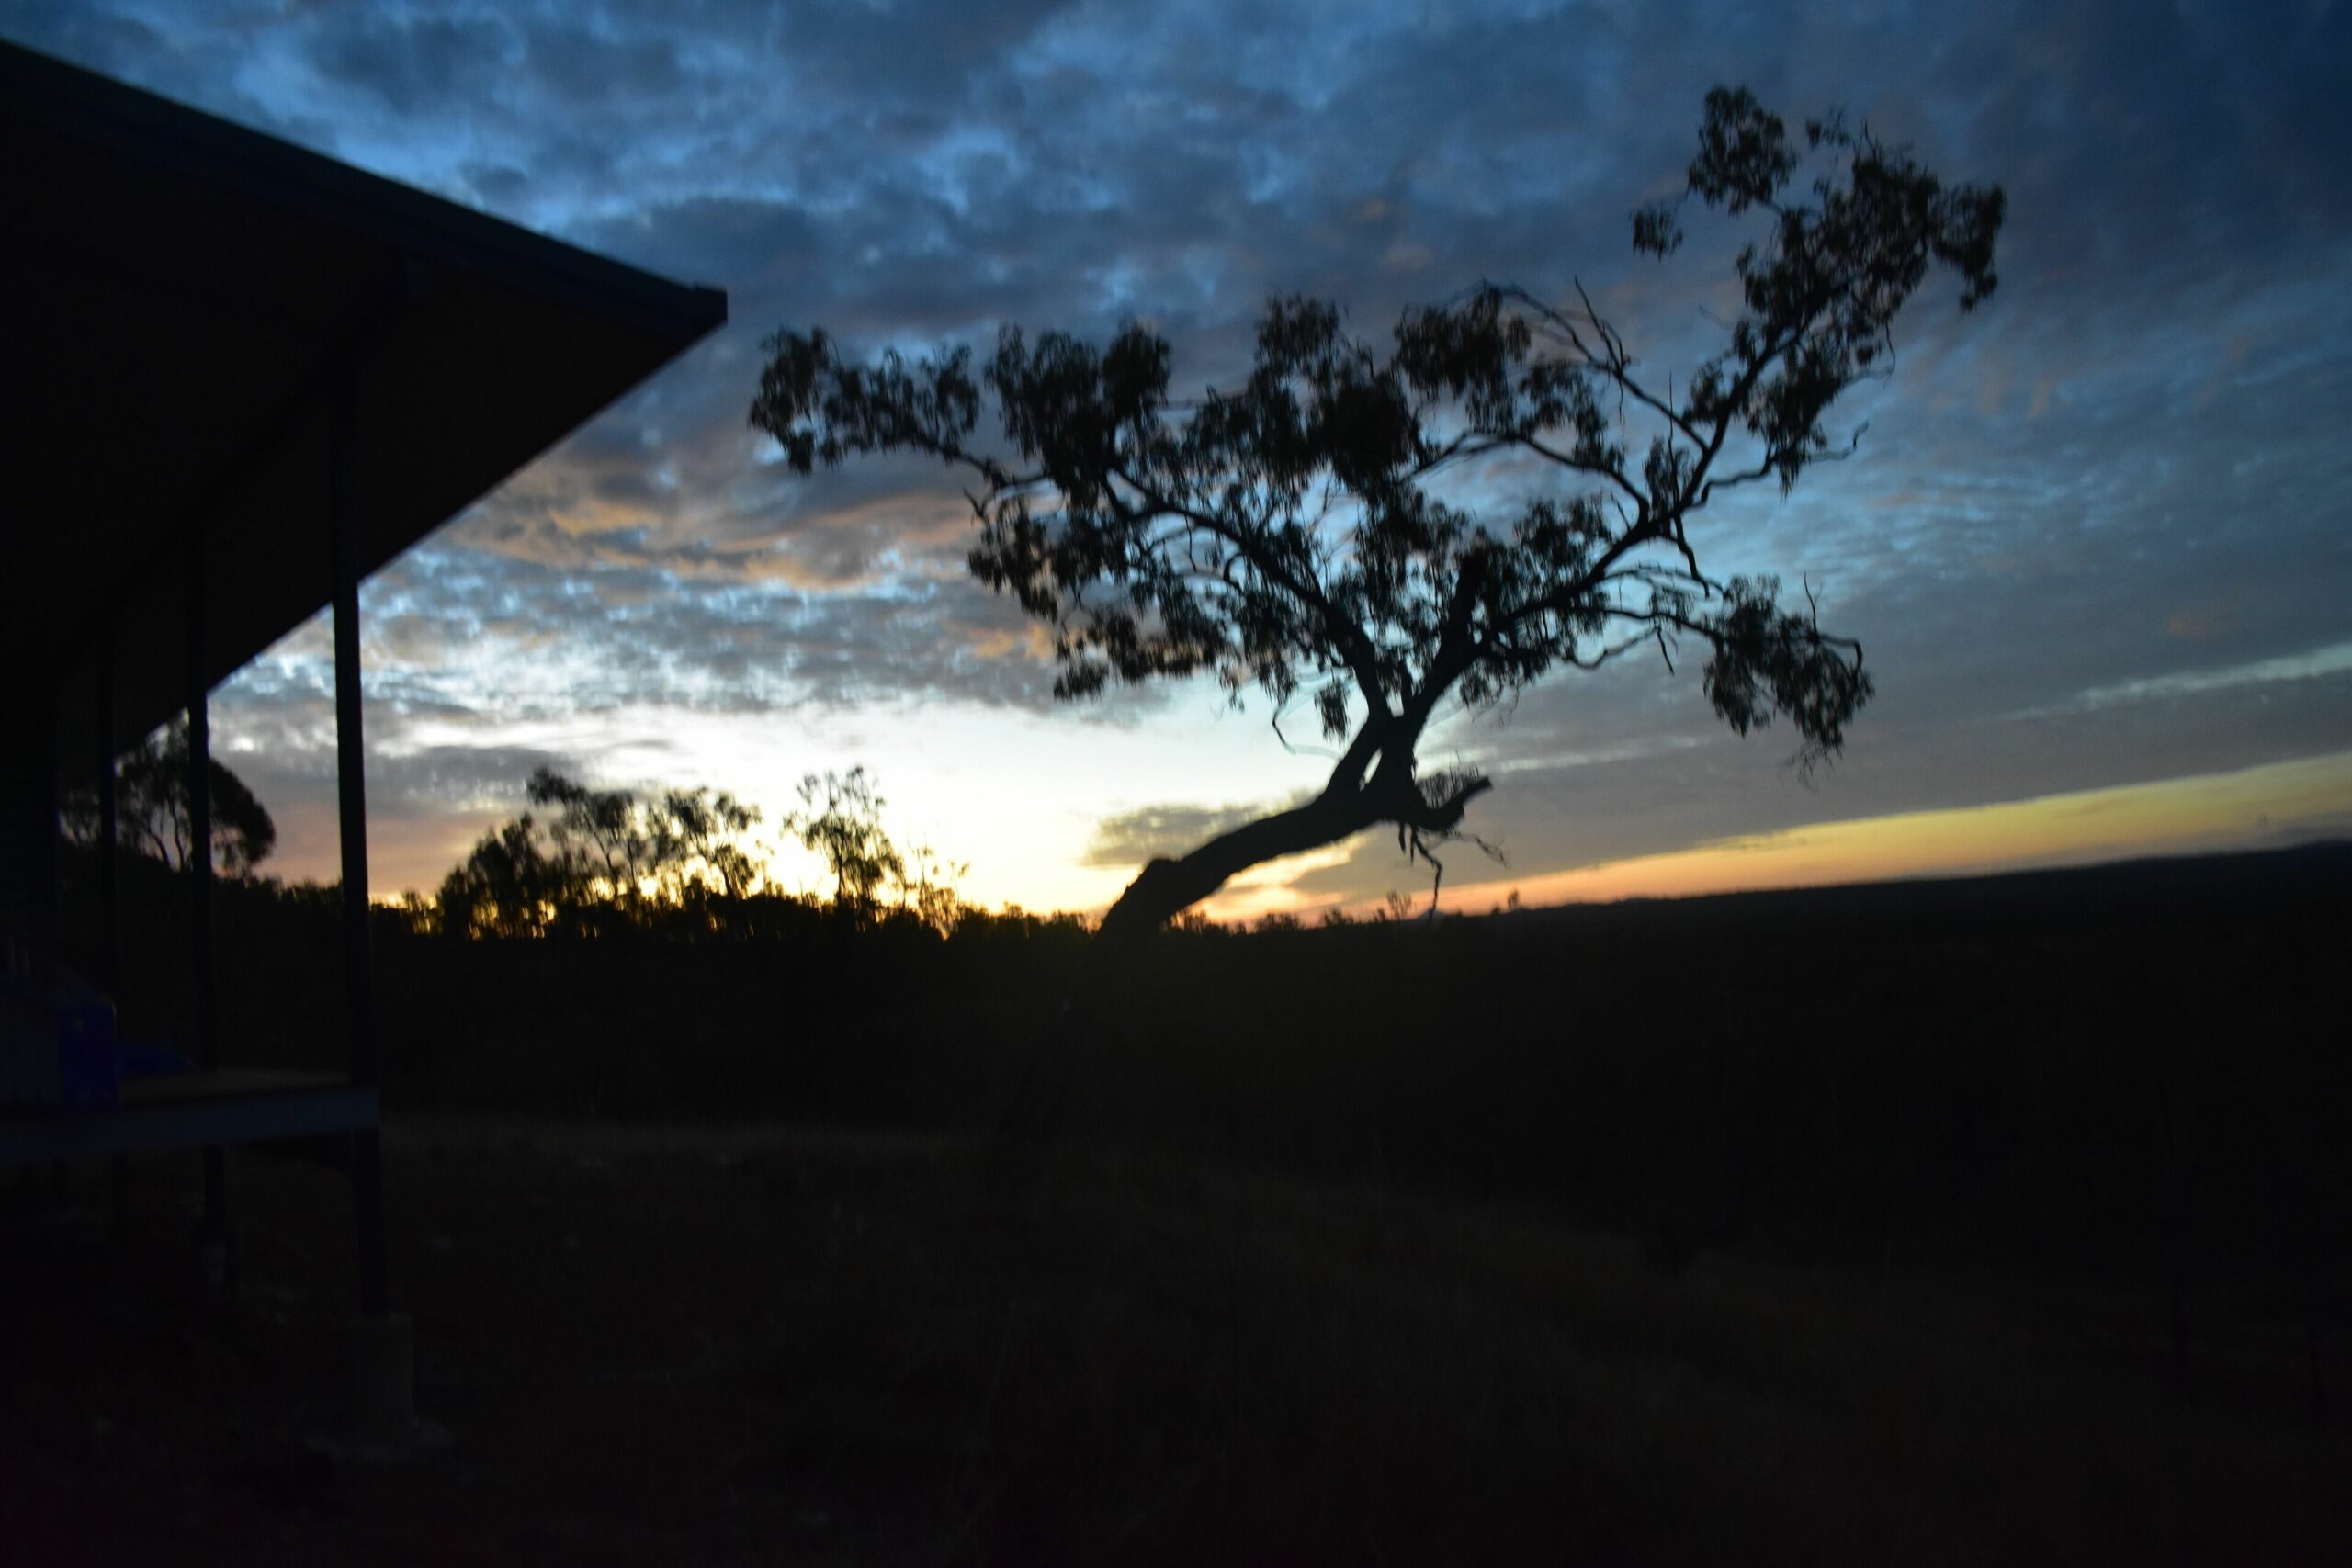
point(152, 808)
point(587, 861)
point(601, 854)
point(1294, 534)
point(843, 825)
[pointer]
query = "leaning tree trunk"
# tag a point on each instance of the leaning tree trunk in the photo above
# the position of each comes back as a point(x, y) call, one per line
point(1166, 888)
point(1062, 1074)
point(1063, 1077)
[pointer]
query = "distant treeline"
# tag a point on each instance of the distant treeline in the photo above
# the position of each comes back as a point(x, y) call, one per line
point(583, 861)
point(681, 862)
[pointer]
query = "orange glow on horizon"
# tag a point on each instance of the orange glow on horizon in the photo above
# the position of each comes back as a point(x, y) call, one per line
point(2277, 803)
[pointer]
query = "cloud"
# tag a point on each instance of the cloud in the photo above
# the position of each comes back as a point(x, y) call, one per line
point(1151, 832)
point(2333, 660)
point(2092, 527)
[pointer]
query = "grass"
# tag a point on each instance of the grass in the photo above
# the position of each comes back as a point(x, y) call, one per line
point(1824, 1228)
point(705, 1345)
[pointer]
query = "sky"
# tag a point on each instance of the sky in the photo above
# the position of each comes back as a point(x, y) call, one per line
point(2094, 541)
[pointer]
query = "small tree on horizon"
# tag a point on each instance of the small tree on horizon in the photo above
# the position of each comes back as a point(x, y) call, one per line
point(843, 826)
point(1288, 536)
point(515, 883)
point(608, 859)
point(603, 852)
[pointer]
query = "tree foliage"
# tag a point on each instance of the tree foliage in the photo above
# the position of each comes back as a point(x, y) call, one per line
point(843, 825)
point(152, 808)
point(594, 861)
point(601, 854)
point(513, 884)
point(1293, 534)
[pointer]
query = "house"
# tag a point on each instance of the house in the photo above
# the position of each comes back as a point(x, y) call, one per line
point(237, 378)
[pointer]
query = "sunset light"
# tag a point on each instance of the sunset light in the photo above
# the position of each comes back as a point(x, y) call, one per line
point(2083, 570)
point(1176, 781)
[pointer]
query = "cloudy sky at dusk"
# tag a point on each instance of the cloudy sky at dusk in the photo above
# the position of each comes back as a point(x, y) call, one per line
point(2095, 540)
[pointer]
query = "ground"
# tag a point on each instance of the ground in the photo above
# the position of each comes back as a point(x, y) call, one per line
point(662, 1345)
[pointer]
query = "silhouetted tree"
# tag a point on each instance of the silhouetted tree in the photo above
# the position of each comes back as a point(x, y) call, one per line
point(612, 857)
point(602, 831)
point(927, 889)
point(151, 804)
point(697, 836)
point(842, 825)
point(1287, 535)
point(607, 852)
point(515, 883)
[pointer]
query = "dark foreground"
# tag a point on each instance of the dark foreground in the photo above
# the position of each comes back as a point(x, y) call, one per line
point(700, 1347)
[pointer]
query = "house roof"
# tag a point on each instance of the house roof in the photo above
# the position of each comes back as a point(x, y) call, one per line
point(180, 297)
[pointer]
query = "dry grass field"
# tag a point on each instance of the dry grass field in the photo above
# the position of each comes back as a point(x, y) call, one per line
point(770, 1346)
